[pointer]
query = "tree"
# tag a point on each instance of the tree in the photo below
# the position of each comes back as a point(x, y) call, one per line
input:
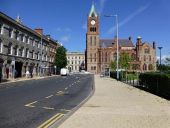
point(124, 60)
point(112, 65)
point(167, 60)
point(60, 57)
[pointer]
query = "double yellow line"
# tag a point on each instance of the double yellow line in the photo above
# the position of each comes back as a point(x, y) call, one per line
point(51, 121)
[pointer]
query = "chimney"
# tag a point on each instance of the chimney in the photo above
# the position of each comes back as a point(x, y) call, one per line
point(139, 40)
point(39, 30)
point(154, 45)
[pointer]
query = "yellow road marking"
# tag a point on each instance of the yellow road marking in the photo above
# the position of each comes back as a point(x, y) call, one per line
point(48, 108)
point(49, 96)
point(50, 121)
point(31, 104)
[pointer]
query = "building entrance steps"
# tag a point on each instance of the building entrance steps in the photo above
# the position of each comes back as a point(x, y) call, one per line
point(117, 105)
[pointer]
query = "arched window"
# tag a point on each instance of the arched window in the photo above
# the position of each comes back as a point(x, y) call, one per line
point(144, 67)
point(150, 67)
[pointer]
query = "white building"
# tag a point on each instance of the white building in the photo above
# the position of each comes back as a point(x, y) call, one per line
point(75, 61)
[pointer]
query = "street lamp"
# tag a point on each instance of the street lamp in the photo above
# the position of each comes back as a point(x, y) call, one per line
point(160, 48)
point(41, 56)
point(117, 58)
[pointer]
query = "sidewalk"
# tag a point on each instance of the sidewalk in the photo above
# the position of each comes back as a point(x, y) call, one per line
point(24, 79)
point(117, 105)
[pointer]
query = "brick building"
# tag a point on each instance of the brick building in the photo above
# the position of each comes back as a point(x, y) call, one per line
point(100, 52)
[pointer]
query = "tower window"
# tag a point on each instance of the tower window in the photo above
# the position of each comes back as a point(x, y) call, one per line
point(93, 29)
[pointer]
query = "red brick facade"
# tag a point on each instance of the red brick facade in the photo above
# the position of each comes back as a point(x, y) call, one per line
point(100, 52)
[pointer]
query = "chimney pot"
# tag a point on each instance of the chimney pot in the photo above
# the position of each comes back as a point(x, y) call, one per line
point(39, 30)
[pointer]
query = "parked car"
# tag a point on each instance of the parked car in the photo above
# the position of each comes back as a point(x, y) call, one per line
point(64, 72)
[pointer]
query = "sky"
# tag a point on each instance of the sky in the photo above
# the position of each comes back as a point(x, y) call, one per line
point(66, 20)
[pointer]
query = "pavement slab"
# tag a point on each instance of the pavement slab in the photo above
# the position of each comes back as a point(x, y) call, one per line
point(118, 105)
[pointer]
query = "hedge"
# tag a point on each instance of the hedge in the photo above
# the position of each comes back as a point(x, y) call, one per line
point(156, 82)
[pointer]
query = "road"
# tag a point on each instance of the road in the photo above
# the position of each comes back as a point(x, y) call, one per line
point(39, 103)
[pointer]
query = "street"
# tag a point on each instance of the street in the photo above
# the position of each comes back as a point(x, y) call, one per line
point(31, 104)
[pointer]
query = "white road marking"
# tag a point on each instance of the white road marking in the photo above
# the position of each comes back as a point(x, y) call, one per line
point(31, 104)
point(48, 108)
point(49, 96)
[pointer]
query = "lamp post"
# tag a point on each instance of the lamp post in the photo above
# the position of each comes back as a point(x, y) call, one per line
point(41, 57)
point(160, 48)
point(117, 43)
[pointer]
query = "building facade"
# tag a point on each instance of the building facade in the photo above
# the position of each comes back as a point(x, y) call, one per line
point(75, 61)
point(100, 52)
point(23, 49)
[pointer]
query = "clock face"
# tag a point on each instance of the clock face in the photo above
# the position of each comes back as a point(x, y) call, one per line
point(93, 22)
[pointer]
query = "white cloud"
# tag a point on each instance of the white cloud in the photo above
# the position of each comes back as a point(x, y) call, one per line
point(163, 58)
point(102, 5)
point(130, 17)
point(65, 39)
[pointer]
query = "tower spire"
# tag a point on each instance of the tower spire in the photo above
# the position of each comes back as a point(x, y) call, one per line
point(93, 11)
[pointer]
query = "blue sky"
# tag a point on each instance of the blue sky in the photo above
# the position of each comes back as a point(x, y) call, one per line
point(65, 20)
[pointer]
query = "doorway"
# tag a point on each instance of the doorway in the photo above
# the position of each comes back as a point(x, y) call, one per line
point(18, 69)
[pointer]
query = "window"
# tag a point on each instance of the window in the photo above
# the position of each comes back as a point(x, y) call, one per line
point(16, 35)
point(147, 51)
point(39, 44)
point(0, 28)
point(90, 40)
point(10, 32)
point(20, 51)
point(27, 53)
point(26, 39)
point(144, 58)
point(150, 59)
point(22, 37)
point(90, 57)
point(16, 51)
point(10, 49)
point(37, 56)
point(95, 41)
point(1, 46)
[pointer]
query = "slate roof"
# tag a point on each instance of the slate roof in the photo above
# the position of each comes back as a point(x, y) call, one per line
point(110, 42)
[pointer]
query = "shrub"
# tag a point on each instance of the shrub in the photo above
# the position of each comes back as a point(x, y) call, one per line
point(156, 82)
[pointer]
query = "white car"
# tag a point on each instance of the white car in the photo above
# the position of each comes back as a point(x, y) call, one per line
point(64, 72)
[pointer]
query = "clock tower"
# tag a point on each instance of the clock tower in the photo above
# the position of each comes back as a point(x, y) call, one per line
point(92, 41)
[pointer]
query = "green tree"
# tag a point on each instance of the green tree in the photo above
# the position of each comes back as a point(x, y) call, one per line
point(60, 57)
point(113, 65)
point(124, 60)
point(167, 60)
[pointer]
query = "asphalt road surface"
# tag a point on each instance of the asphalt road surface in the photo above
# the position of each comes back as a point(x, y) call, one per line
point(39, 103)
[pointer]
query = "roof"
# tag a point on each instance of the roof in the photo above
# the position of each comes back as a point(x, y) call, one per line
point(110, 42)
point(22, 26)
point(92, 11)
